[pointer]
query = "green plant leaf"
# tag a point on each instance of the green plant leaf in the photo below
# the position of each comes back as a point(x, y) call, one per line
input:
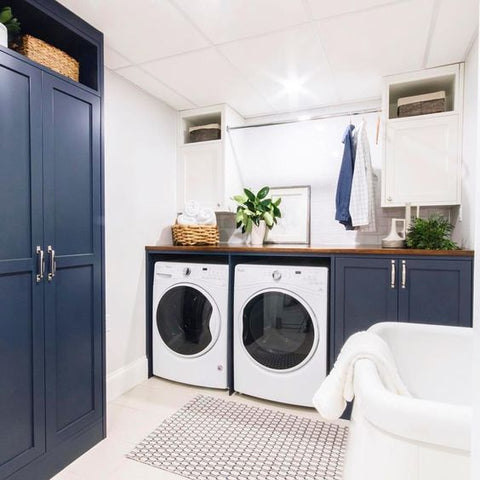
point(240, 198)
point(268, 219)
point(249, 194)
point(263, 192)
point(432, 234)
point(278, 201)
point(5, 15)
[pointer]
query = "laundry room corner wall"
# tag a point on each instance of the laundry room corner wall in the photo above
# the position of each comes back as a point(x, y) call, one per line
point(140, 169)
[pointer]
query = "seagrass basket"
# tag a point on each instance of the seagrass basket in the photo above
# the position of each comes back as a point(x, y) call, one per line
point(189, 235)
point(49, 56)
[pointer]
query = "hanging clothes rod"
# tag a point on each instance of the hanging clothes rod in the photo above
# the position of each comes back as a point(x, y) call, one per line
point(319, 117)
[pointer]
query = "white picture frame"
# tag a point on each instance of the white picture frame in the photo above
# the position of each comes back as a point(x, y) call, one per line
point(294, 225)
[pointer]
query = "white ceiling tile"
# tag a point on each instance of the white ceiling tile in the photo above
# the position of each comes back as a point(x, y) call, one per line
point(146, 82)
point(114, 60)
point(453, 31)
point(209, 79)
point(272, 61)
point(328, 8)
point(379, 42)
point(224, 21)
point(141, 31)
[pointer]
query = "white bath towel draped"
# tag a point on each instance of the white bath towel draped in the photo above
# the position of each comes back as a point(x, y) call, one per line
point(362, 196)
point(337, 389)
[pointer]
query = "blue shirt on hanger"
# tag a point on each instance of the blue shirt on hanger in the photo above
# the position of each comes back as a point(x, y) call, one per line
point(344, 185)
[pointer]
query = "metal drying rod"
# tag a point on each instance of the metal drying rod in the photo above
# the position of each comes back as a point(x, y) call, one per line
point(318, 117)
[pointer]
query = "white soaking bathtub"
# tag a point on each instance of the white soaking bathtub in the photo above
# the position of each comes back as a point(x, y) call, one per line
point(423, 437)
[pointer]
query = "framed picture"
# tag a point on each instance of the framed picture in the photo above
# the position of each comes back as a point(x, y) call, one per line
point(294, 225)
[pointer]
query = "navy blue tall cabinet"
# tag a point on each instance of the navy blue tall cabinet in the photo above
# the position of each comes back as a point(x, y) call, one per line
point(52, 372)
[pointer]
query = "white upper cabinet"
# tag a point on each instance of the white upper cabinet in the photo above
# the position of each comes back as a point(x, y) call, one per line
point(422, 152)
point(207, 170)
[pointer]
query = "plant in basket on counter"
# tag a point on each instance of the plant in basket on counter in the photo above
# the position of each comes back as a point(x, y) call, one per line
point(255, 213)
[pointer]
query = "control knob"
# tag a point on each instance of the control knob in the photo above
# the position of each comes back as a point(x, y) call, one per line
point(187, 271)
point(276, 275)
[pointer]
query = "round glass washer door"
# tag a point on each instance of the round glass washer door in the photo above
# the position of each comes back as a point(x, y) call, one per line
point(187, 320)
point(278, 330)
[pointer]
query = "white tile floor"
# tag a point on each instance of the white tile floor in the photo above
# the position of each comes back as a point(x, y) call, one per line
point(134, 415)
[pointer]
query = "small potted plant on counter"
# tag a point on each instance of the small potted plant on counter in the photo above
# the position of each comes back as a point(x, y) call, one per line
point(432, 233)
point(256, 213)
point(8, 24)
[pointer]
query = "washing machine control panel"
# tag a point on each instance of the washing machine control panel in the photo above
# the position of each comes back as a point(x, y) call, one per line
point(173, 272)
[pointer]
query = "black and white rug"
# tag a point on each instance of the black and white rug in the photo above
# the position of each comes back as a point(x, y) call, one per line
point(213, 439)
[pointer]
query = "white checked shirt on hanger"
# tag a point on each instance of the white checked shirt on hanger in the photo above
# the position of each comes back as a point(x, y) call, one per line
point(362, 197)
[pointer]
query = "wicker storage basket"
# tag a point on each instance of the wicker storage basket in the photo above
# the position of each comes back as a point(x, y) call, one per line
point(51, 57)
point(195, 235)
point(204, 133)
point(422, 104)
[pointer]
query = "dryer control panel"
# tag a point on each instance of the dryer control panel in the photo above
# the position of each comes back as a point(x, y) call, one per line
point(191, 272)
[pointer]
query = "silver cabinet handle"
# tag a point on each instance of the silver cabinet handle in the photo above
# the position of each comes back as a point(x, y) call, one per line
point(40, 263)
point(392, 274)
point(53, 263)
point(404, 274)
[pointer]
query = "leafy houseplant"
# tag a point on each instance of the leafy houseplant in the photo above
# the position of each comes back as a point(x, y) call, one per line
point(10, 22)
point(253, 209)
point(432, 233)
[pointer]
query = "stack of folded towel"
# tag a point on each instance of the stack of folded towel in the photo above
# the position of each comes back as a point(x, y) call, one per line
point(194, 215)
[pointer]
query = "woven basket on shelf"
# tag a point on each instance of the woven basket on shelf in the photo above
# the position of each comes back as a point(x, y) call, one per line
point(189, 235)
point(51, 57)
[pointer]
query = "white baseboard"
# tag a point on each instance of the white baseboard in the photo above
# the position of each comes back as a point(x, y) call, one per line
point(125, 378)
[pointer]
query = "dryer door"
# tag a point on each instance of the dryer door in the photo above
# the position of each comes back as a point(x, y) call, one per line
point(187, 320)
point(278, 330)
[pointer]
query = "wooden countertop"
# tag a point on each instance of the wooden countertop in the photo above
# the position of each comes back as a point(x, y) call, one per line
point(309, 249)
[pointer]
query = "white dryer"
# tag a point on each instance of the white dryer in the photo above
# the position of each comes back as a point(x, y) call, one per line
point(280, 331)
point(189, 337)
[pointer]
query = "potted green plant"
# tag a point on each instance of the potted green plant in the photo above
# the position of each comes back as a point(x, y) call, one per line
point(8, 24)
point(432, 233)
point(256, 213)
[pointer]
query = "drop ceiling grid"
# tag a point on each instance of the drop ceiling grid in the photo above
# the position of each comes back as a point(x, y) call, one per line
point(352, 45)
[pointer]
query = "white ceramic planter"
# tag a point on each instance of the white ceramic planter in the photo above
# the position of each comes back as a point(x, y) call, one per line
point(3, 35)
point(258, 234)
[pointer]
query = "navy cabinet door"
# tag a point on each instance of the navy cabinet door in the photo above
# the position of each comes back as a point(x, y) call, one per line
point(365, 293)
point(22, 404)
point(73, 229)
point(435, 291)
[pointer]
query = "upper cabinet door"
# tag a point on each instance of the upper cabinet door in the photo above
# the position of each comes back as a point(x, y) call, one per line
point(73, 230)
point(422, 161)
point(22, 405)
point(200, 175)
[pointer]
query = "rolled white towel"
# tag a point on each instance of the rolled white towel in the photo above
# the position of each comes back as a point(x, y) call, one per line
point(206, 216)
point(192, 208)
point(184, 219)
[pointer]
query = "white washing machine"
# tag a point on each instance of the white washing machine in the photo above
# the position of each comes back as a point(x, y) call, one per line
point(280, 331)
point(189, 337)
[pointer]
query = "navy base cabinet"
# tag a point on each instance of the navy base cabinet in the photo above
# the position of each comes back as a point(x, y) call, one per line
point(407, 289)
point(51, 271)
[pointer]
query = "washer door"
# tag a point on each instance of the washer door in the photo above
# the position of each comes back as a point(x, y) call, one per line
point(278, 330)
point(187, 320)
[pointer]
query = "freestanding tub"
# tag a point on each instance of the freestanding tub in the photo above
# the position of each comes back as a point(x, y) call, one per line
point(423, 437)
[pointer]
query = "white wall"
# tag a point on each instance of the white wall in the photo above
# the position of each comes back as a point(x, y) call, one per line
point(470, 123)
point(139, 206)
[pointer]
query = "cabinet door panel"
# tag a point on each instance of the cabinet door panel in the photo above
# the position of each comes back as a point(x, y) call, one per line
point(437, 292)
point(73, 227)
point(363, 295)
point(22, 403)
point(422, 161)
